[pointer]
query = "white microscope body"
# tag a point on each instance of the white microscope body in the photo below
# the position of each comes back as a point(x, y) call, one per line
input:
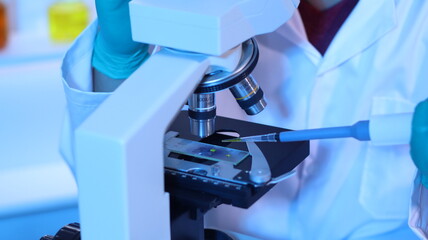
point(119, 149)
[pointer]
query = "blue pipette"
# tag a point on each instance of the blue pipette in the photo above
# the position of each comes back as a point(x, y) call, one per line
point(359, 130)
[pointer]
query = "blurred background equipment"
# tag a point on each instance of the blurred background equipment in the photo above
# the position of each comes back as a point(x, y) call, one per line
point(38, 192)
point(67, 19)
point(3, 25)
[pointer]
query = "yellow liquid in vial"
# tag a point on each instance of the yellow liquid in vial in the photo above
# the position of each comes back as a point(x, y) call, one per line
point(3, 26)
point(67, 20)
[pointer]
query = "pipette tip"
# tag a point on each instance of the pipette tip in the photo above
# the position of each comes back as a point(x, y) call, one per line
point(232, 140)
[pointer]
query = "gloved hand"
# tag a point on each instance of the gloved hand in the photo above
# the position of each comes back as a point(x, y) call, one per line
point(419, 140)
point(115, 53)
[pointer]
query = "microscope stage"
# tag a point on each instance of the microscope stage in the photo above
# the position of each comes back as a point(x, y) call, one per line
point(208, 167)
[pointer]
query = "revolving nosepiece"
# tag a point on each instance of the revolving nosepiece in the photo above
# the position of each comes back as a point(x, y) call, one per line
point(241, 84)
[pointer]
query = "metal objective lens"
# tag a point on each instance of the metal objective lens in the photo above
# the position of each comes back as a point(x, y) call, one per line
point(249, 96)
point(202, 112)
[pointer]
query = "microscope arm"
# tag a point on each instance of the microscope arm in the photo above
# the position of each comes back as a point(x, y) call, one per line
point(119, 150)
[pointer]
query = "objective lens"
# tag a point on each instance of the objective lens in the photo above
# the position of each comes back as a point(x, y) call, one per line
point(249, 95)
point(202, 112)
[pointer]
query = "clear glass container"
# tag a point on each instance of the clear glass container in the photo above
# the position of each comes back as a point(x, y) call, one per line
point(67, 19)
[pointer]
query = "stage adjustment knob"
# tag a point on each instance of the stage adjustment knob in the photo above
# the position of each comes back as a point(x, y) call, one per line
point(68, 232)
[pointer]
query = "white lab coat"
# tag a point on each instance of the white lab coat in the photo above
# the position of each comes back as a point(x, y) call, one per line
point(376, 64)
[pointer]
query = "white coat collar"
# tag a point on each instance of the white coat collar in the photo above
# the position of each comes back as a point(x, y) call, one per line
point(369, 21)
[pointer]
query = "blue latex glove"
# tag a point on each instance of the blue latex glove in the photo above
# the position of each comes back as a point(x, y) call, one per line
point(115, 53)
point(419, 141)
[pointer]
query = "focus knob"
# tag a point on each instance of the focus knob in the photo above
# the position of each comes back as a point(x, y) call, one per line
point(68, 232)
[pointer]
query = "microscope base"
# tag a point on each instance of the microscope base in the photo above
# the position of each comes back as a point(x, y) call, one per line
point(187, 219)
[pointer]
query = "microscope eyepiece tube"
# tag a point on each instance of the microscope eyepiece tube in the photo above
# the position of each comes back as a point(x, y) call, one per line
point(202, 113)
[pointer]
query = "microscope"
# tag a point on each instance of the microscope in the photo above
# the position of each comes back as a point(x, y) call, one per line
point(146, 169)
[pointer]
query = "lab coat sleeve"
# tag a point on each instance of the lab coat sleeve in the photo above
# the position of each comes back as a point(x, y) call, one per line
point(418, 219)
point(77, 82)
